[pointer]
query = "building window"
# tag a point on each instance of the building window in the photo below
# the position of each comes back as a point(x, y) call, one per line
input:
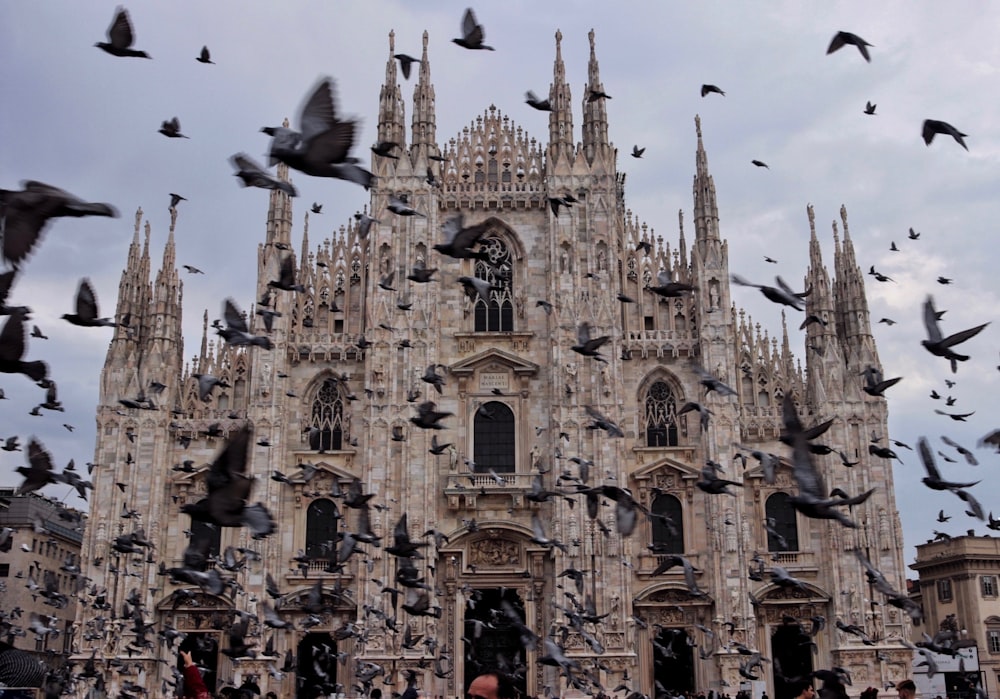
point(493, 438)
point(328, 416)
point(321, 529)
point(944, 590)
point(498, 314)
point(782, 519)
point(989, 585)
point(668, 525)
point(661, 416)
point(993, 641)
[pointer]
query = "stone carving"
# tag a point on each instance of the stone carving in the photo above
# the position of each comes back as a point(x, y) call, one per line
point(494, 552)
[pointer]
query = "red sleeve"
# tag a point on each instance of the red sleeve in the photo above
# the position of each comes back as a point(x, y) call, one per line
point(193, 685)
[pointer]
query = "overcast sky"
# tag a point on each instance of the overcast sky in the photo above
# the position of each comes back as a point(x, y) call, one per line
point(83, 120)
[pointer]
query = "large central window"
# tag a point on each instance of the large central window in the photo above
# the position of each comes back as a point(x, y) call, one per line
point(493, 438)
point(498, 314)
point(661, 416)
point(328, 416)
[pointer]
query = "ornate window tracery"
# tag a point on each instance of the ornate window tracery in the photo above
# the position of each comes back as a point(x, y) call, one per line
point(660, 416)
point(328, 416)
point(498, 314)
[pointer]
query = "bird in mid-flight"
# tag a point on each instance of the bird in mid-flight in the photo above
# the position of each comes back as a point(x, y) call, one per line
point(86, 309)
point(120, 38)
point(870, 108)
point(706, 89)
point(172, 128)
point(637, 151)
point(842, 39)
point(253, 175)
point(932, 127)
point(205, 56)
point(472, 33)
point(760, 163)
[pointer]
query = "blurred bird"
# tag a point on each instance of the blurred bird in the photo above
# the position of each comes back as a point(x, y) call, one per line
point(25, 213)
point(86, 309)
point(121, 38)
point(172, 128)
point(842, 39)
point(760, 163)
point(541, 105)
point(253, 175)
point(932, 127)
point(637, 151)
point(941, 346)
point(706, 89)
point(473, 33)
point(205, 56)
point(870, 108)
point(405, 62)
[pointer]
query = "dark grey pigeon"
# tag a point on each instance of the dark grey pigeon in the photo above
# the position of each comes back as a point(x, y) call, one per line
point(941, 346)
point(322, 145)
point(286, 276)
point(541, 105)
point(253, 175)
point(707, 89)
point(205, 56)
point(120, 37)
point(172, 128)
point(236, 332)
point(781, 294)
point(842, 39)
point(473, 33)
point(86, 309)
point(932, 127)
point(24, 214)
point(12, 346)
point(405, 62)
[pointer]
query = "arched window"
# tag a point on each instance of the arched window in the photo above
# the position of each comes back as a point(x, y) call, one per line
point(498, 314)
point(781, 516)
point(493, 438)
point(321, 529)
point(661, 416)
point(328, 416)
point(668, 525)
point(203, 531)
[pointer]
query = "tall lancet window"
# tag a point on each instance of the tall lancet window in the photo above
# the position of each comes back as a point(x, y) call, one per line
point(498, 314)
point(661, 416)
point(668, 525)
point(780, 514)
point(321, 529)
point(494, 438)
point(328, 416)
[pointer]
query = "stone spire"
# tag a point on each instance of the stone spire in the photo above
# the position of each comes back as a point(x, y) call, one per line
point(391, 111)
point(706, 209)
point(424, 125)
point(595, 112)
point(851, 300)
point(824, 360)
point(279, 210)
point(561, 116)
point(304, 253)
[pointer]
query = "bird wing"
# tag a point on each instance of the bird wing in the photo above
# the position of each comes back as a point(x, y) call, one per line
point(333, 144)
point(472, 31)
point(234, 319)
point(12, 337)
point(120, 32)
point(962, 336)
point(928, 458)
point(804, 470)
point(930, 321)
point(242, 161)
point(86, 301)
point(319, 111)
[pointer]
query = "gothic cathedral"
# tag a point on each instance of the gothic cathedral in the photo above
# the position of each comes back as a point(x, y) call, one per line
point(337, 391)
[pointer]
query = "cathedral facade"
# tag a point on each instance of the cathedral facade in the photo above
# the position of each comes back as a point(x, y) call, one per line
point(341, 382)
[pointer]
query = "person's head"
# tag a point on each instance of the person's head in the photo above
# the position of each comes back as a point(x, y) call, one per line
point(492, 685)
point(906, 689)
point(805, 690)
point(271, 695)
point(374, 694)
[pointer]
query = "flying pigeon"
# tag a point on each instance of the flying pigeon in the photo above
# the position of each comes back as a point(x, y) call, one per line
point(932, 127)
point(472, 33)
point(541, 105)
point(405, 62)
point(706, 89)
point(253, 175)
point(205, 56)
point(120, 37)
point(842, 39)
point(86, 309)
point(172, 128)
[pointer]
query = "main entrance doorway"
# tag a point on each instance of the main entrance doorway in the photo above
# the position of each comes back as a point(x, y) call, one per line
point(494, 643)
point(673, 662)
point(792, 655)
point(317, 666)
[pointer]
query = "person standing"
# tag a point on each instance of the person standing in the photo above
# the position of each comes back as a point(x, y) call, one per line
point(194, 686)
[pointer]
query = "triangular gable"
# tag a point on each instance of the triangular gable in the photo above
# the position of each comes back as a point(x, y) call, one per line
point(685, 471)
point(468, 366)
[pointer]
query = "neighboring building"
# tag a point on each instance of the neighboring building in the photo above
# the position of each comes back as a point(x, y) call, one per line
point(43, 579)
point(518, 394)
point(960, 576)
